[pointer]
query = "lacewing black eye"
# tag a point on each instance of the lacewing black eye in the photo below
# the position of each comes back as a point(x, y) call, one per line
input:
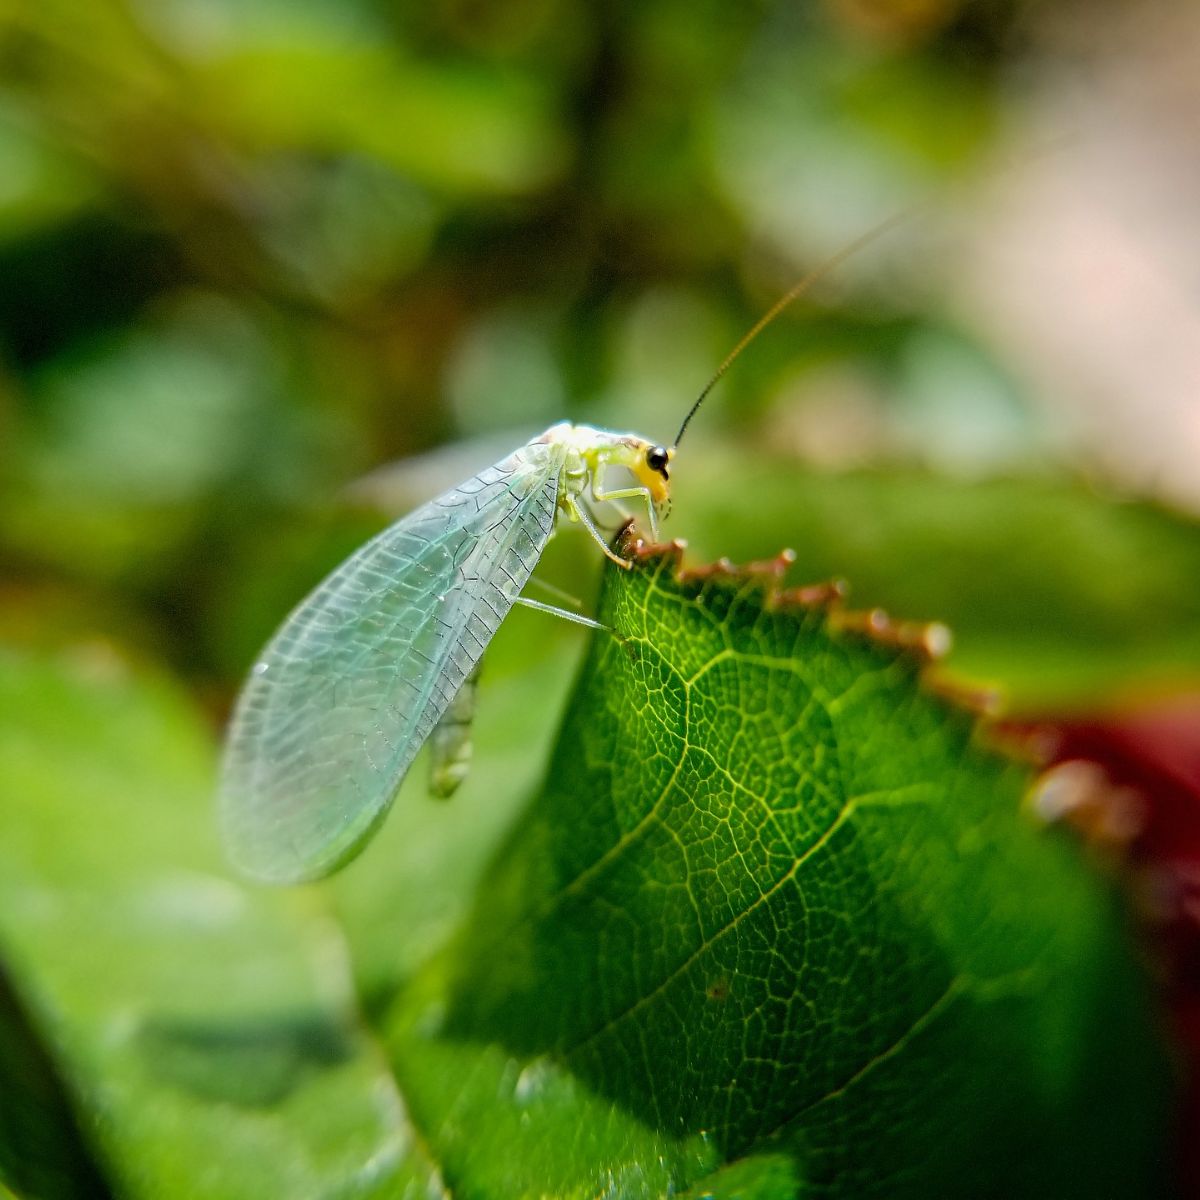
point(657, 459)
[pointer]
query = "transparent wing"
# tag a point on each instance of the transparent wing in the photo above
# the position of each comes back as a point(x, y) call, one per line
point(351, 685)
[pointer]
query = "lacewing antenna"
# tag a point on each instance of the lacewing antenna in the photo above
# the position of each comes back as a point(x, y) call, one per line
point(794, 293)
point(1052, 146)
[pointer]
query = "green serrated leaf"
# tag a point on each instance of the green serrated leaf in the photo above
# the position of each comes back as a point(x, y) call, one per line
point(775, 901)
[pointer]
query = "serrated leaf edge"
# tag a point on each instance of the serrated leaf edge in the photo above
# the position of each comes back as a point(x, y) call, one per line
point(925, 643)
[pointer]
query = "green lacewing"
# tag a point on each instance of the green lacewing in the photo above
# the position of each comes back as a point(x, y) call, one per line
point(377, 658)
point(382, 656)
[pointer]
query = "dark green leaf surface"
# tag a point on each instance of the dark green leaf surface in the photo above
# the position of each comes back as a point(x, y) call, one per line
point(40, 1148)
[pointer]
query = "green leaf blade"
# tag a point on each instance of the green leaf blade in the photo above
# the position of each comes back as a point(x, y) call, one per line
point(775, 894)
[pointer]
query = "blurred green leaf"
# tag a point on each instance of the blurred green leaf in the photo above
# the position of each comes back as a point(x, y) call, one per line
point(1060, 596)
point(134, 441)
point(40, 184)
point(883, 127)
point(453, 125)
point(208, 1033)
point(41, 1152)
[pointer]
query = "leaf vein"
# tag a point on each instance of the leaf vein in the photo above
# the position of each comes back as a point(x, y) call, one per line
point(888, 798)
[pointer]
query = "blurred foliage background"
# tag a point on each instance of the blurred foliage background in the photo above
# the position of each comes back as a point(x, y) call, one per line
point(250, 251)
